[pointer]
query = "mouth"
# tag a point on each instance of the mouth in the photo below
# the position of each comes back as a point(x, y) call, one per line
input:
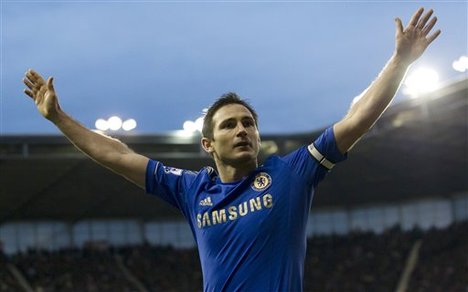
point(243, 144)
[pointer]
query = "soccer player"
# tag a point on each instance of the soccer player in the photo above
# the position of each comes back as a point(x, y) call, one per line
point(248, 221)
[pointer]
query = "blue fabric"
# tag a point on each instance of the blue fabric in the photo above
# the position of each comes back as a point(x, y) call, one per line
point(251, 234)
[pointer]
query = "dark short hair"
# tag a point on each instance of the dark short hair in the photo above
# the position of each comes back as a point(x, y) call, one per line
point(225, 99)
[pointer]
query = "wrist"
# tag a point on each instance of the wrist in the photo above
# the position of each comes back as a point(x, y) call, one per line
point(57, 117)
point(399, 61)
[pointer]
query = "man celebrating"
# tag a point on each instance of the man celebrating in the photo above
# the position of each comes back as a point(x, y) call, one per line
point(249, 221)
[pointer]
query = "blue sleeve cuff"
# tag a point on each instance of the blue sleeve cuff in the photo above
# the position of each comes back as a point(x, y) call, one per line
point(326, 145)
point(150, 169)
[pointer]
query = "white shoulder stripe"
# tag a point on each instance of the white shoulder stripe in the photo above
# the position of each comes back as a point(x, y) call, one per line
point(320, 158)
point(156, 168)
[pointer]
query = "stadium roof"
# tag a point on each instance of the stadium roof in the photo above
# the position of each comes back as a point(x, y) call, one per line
point(419, 149)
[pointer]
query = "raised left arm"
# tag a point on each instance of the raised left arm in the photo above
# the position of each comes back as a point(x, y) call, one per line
point(410, 44)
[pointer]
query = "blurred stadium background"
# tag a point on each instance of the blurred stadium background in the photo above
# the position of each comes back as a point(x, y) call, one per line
point(394, 217)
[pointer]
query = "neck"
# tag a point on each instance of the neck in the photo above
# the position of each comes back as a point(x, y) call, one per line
point(231, 173)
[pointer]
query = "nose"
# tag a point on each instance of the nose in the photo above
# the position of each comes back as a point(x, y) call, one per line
point(241, 131)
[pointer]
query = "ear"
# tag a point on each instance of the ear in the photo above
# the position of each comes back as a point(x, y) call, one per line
point(207, 145)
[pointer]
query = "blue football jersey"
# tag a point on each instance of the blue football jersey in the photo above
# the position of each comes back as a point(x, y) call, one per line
point(251, 234)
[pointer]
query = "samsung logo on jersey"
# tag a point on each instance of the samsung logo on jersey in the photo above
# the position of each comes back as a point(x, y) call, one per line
point(233, 212)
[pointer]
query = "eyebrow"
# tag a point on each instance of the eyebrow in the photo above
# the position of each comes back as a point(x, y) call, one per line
point(231, 119)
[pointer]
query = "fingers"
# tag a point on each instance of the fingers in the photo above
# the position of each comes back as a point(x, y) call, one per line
point(28, 92)
point(428, 28)
point(32, 88)
point(420, 26)
point(399, 25)
point(50, 85)
point(414, 20)
point(34, 76)
point(28, 83)
point(431, 38)
point(424, 20)
point(34, 83)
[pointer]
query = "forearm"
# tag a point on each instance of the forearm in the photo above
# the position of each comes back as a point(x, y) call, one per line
point(370, 105)
point(376, 98)
point(103, 149)
point(410, 43)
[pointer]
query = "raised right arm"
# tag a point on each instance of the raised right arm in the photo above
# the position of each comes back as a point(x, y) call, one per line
point(107, 151)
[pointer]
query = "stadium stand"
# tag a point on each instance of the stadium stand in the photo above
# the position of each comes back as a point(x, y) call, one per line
point(443, 260)
point(72, 270)
point(358, 261)
point(361, 261)
point(7, 281)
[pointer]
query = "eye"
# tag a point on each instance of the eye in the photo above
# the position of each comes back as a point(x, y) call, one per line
point(228, 125)
point(248, 123)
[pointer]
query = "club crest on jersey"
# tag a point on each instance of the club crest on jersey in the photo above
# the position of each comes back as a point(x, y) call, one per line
point(261, 181)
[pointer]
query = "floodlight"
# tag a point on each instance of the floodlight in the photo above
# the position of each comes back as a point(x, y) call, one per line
point(422, 80)
point(199, 124)
point(114, 123)
point(195, 126)
point(460, 65)
point(190, 126)
point(129, 125)
point(101, 125)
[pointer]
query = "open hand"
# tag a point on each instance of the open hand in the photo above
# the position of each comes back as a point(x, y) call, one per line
point(43, 94)
point(412, 41)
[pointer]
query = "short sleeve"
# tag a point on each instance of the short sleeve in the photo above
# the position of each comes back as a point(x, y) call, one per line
point(311, 166)
point(168, 183)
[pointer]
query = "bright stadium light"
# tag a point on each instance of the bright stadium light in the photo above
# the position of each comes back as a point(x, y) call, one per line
point(101, 125)
point(115, 123)
point(129, 125)
point(190, 126)
point(460, 65)
point(183, 134)
point(199, 124)
point(420, 81)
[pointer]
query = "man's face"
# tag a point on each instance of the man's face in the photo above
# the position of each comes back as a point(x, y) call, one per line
point(235, 136)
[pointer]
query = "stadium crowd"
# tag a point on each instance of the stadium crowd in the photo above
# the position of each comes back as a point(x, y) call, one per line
point(360, 261)
point(7, 281)
point(85, 269)
point(443, 261)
